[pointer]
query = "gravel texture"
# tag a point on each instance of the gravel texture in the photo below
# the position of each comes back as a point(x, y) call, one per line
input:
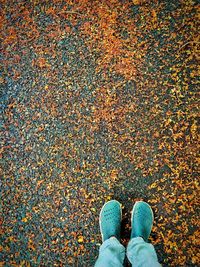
point(98, 102)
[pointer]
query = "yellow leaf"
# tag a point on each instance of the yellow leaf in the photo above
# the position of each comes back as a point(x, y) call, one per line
point(80, 239)
point(24, 219)
point(194, 129)
point(108, 198)
point(136, 2)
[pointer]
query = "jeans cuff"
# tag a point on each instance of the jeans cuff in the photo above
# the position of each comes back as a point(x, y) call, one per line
point(109, 242)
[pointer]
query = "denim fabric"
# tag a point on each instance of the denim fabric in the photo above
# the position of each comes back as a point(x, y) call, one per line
point(139, 253)
point(111, 254)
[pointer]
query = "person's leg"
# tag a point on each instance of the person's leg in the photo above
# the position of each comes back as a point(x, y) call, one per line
point(111, 253)
point(139, 252)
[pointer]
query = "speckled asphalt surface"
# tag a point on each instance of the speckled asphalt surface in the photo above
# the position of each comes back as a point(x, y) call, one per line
point(98, 101)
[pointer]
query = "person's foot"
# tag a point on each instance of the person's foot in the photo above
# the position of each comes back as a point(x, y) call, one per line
point(141, 220)
point(110, 220)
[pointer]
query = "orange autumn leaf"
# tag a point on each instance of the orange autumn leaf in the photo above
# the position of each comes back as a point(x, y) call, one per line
point(154, 14)
point(42, 62)
point(51, 11)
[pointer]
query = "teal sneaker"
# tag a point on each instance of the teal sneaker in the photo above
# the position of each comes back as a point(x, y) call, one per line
point(141, 220)
point(110, 220)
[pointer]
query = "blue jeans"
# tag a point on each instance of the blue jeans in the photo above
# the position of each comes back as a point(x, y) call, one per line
point(139, 253)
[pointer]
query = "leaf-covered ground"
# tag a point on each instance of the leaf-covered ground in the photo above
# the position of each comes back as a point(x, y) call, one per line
point(98, 101)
